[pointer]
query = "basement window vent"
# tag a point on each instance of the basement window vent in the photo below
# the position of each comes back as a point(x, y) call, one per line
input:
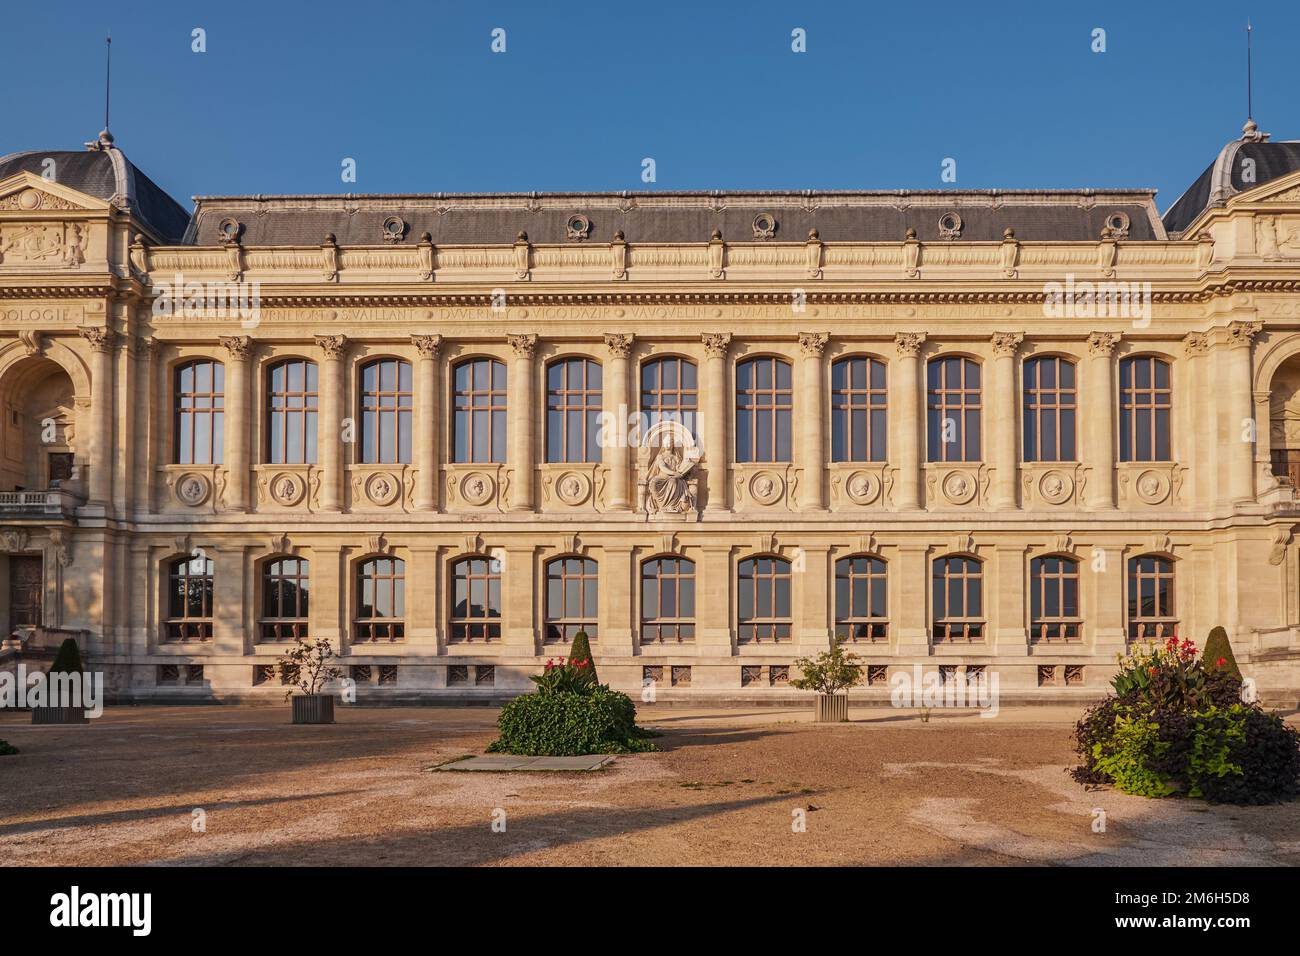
point(681, 675)
point(457, 674)
point(1046, 675)
point(263, 674)
point(387, 675)
point(169, 674)
point(485, 675)
point(778, 675)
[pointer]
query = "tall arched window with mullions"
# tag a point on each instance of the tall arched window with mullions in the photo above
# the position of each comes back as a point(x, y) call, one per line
point(286, 587)
point(764, 404)
point(953, 409)
point(198, 418)
point(668, 601)
point(1145, 406)
point(764, 600)
point(189, 599)
point(957, 594)
point(860, 603)
point(1054, 599)
point(1151, 611)
point(478, 424)
point(1050, 407)
point(380, 600)
point(572, 599)
point(573, 397)
point(858, 407)
point(386, 409)
point(669, 392)
point(475, 600)
point(292, 401)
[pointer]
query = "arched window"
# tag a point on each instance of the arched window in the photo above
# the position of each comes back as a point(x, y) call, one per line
point(475, 600)
point(571, 599)
point(763, 600)
point(764, 402)
point(668, 601)
point(189, 599)
point(198, 419)
point(1151, 612)
point(286, 583)
point(1145, 403)
point(573, 410)
point(381, 600)
point(953, 409)
point(292, 398)
point(386, 399)
point(860, 607)
point(478, 425)
point(1050, 407)
point(669, 392)
point(858, 408)
point(1054, 599)
point(958, 593)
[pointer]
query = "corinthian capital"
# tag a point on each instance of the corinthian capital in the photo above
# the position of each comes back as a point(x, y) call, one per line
point(1102, 343)
point(100, 337)
point(1006, 343)
point(619, 344)
point(716, 343)
point(909, 344)
point(332, 345)
point(813, 344)
point(524, 343)
point(1241, 334)
point(427, 345)
point(239, 346)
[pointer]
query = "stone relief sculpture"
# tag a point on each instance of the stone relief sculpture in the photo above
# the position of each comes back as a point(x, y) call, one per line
point(669, 455)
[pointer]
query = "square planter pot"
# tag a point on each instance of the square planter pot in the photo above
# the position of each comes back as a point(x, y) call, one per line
point(832, 708)
point(313, 708)
point(59, 715)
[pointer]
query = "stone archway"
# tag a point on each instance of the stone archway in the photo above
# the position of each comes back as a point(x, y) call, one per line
point(40, 441)
point(1284, 420)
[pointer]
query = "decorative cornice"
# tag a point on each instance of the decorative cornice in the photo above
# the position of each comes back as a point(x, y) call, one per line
point(812, 344)
point(716, 343)
point(1102, 343)
point(524, 343)
point(332, 345)
point(427, 345)
point(619, 343)
point(909, 344)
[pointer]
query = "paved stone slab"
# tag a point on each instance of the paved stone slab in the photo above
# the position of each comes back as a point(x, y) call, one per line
point(504, 763)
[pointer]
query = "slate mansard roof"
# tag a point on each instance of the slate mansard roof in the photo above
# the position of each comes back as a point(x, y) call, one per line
point(105, 173)
point(677, 217)
point(1227, 175)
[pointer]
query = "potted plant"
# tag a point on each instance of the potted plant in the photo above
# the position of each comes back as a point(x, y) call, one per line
point(307, 667)
point(831, 674)
point(67, 662)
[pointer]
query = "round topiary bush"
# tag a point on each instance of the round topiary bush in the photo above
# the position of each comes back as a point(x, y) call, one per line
point(569, 723)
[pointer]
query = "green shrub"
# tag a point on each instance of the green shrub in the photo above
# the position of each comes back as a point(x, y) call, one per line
point(569, 723)
point(6, 748)
point(1218, 654)
point(1267, 751)
point(1218, 732)
point(580, 657)
point(829, 672)
point(68, 658)
point(1126, 757)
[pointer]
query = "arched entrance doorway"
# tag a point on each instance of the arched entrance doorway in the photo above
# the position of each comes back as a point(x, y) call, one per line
point(1284, 420)
point(39, 442)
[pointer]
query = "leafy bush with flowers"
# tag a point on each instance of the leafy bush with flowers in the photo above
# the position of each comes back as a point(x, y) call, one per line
point(571, 714)
point(1178, 725)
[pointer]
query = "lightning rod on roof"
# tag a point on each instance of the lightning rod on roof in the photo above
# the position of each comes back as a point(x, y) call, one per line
point(105, 138)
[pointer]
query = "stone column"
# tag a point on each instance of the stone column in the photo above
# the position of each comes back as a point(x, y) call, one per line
point(329, 436)
point(1002, 418)
point(810, 421)
point(713, 600)
point(908, 415)
point(909, 606)
point(617, 584)
point(1198, 441)
point(102, 341)
point(1099, 408)
point(521, 422)
point(239, 427)
point(1264, 441)
point(615, 399)
point(146, 349)
point(519, 572)
point(1238, 396)
point(716, 451)
point(427, 424)
point(813, 624)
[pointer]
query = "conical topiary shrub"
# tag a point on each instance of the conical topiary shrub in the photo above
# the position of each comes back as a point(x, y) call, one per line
point(582, 652)
point(1218, 648)
point(68, 658)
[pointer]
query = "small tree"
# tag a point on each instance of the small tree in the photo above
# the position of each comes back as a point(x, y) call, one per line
point(829, 672)
point(68, 658)
point(1218, 654)
point(580, 658)
point(307, 666)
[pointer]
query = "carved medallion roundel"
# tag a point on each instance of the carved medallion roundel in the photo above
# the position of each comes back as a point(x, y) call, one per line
point(382, 488)
point(862, 487)
point(476, 488)
point(959, 487)
point(193, 489)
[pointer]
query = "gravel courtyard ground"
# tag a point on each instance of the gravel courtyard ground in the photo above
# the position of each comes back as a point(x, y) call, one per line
point(729, 787)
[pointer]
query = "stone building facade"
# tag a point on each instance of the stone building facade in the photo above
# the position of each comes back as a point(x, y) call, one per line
point(1001, 431)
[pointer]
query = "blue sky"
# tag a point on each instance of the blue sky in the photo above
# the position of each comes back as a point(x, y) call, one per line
point(711, 91)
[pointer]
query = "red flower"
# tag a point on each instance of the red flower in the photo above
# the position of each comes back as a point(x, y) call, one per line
point(1155, 670)
point(1220, 662)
